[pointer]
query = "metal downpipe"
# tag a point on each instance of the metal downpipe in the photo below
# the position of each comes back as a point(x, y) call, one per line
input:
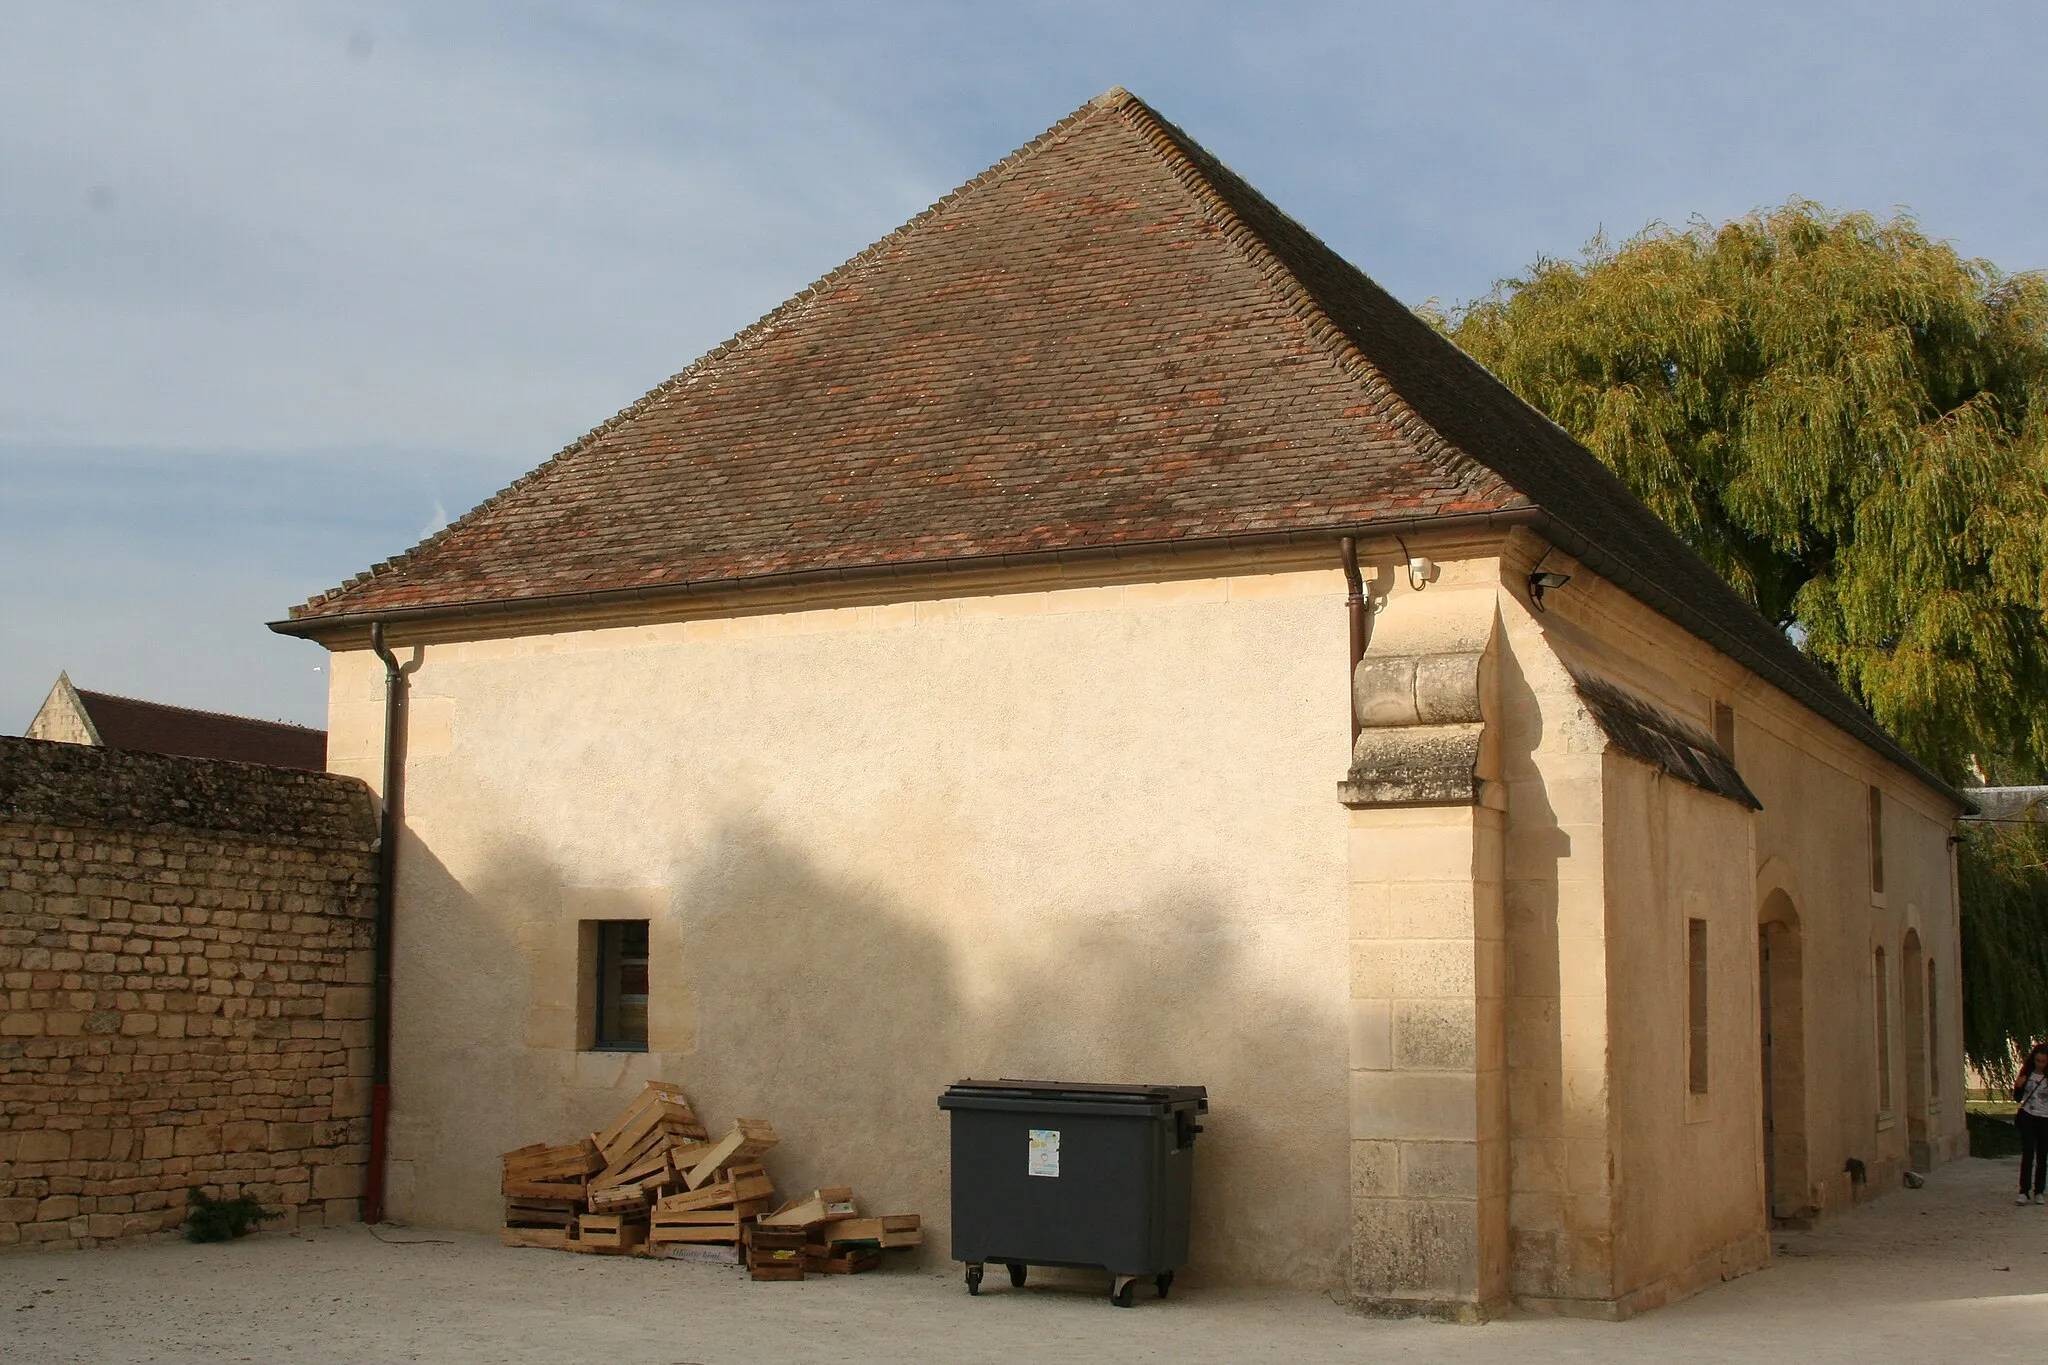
point(387, 884)
point(1354, 607)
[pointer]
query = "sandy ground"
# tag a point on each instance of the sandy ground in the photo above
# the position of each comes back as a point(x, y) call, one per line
point(1951, 1272)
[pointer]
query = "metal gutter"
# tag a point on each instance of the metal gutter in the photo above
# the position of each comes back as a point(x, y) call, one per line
point(312, 627)
point(1837, 709)
point(1841, 711)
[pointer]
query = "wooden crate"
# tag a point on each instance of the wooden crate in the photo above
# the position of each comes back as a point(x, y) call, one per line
point(822, 1206)
point(775, 1253)
point(697, 1225)
point(748, 1140)
point(610, 1232)
point(548, 1239)
point(841, 1260)
point(540, 1213)
point(540, 1162)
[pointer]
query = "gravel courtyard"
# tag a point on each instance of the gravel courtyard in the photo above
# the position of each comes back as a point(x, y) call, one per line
point(1953, 1271)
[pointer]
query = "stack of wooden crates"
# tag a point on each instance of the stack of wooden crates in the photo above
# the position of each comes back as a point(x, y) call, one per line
point(655, 1183)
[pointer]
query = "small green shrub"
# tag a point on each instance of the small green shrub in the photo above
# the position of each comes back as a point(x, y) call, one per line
point(222, 1220)
point(1991, 1136)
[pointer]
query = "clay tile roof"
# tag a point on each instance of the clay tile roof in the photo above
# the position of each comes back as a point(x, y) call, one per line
point(1106, 340)
point(125, 723)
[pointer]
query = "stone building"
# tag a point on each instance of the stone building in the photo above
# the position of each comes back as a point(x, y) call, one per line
point(70, 715)
point(953, 674)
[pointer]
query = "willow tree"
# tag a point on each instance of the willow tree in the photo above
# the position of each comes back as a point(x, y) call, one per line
point(1850, 422)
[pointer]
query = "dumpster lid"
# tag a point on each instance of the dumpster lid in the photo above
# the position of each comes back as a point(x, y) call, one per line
point(1084, 1090)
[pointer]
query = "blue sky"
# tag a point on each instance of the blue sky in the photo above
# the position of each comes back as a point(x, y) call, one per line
point(283, 286)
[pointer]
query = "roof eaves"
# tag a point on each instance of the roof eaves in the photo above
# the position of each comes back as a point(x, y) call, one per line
point(330, 625)
point(1840, 709)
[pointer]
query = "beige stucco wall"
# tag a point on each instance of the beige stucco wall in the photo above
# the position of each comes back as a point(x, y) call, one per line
point(1561, 1207)
point(1094, 832)
point(1687, 1167)
point(1687, 1175)
point(1085, 834)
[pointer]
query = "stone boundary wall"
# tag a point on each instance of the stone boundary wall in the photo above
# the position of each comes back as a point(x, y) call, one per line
point(184, 991)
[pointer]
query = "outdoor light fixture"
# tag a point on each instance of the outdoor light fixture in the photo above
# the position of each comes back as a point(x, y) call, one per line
point(1421, 568)
point(1541, 582)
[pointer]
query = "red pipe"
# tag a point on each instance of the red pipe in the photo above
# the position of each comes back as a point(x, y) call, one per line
point(380, 1113)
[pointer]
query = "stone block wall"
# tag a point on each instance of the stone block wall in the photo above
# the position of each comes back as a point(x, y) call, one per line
point(184, 991)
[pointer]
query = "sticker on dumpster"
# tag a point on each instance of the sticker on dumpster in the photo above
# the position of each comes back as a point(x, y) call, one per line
point(1045, 1152)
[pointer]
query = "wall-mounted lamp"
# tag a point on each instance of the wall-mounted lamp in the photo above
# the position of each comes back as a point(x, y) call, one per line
point(1541, 582)
point(1421, 568)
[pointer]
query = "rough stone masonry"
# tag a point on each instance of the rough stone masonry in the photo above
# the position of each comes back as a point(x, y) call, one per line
point(185, 955)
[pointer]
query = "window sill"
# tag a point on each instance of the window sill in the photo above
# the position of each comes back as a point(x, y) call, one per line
point(1699, 1106)
point(1886, 1119)
point(616, 1047)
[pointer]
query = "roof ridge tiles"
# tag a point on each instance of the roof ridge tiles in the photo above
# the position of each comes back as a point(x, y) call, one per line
point(1185, 157)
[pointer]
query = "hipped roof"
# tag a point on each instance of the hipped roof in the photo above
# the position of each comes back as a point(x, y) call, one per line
point(1105, 341)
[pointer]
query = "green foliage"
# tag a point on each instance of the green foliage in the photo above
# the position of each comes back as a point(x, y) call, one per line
point(1847, 419)
point(1850, 422)
point(1992, 1137)
point(221, 1220)
point(2004, 872)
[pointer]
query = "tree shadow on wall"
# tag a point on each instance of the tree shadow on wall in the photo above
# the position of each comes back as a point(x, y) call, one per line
point(1541, 1258)
point(842, 1015)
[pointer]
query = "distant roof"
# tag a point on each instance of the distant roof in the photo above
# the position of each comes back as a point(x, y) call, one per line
point(125, 723)
point(1107, 340)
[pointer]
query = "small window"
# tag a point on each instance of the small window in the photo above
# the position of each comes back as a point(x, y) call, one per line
point(1696, 1005)
point(621, 986)
point(1724, 728)
point(1876, 842)
point(1933, 1038)
point(1884, 1034)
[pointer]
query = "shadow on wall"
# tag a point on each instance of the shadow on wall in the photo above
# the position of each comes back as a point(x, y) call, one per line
point(1542, 1259)
point(841, 1014)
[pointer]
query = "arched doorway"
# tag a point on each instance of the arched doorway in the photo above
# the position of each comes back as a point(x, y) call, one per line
point(1782, 1021)
point(1913, 980)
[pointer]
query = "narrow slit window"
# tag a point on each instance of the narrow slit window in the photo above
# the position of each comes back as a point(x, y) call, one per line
point(1696, 1005)
point(1884, 1034)
point(622, 985)
point(1933, 1039)
point(1724, 727)
point(1876, 841)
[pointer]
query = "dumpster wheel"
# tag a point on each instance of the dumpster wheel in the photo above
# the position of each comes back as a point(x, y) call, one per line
point(974, 1277)
point(1017, 1274)
point(1164, 1283)
point(1123, 1291)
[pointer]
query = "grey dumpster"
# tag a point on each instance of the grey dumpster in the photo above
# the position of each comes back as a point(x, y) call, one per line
point(1068, 1174)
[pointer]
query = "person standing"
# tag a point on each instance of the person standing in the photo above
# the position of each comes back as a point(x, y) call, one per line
point(2031, 1092)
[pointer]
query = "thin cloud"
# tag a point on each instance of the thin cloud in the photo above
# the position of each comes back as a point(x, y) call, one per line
point(262, 265)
